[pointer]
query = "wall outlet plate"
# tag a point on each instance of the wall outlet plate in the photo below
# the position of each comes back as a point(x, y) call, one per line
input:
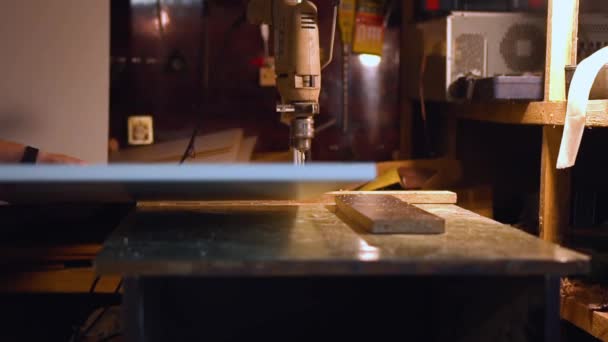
point(141, 130)
point(268, 76)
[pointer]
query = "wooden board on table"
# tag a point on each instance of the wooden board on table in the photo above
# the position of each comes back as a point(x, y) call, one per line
point(582, 305)
point(246, 149)
point(412, 197)
point(579, 314)
point(217, 147)
point(388, 215)
point(329, 199)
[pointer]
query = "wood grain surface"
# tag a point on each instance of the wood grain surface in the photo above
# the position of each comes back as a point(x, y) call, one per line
point(413, 197)
point(388, 215)
point(562, 32)
point(529, 113)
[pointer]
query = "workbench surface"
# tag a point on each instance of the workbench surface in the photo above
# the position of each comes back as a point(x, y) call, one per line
point(309, 239)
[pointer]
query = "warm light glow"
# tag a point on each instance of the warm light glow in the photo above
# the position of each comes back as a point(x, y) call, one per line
point(370, 61)
point(164, 18)
point(367, 252)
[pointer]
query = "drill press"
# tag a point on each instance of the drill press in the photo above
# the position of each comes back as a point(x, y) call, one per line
point(298, 64)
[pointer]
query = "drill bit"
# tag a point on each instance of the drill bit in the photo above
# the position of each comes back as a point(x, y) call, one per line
point(299, 157)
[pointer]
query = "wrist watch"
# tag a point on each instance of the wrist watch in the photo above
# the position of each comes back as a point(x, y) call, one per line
point(30, 155)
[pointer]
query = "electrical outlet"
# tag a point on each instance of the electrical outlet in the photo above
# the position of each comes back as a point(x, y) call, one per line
point(268, 77)
point(141, 130)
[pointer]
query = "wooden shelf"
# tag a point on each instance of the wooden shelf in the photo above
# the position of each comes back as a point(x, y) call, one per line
point(579, 308)
point(42, 269)
point(528, 113)
point(76, 280)
point(47, 254)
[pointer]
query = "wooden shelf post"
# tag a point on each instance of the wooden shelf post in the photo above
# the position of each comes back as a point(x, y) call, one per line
point(562, 31)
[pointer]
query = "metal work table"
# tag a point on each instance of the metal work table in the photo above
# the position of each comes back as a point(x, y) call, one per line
point(276, 240)
point(163, 244)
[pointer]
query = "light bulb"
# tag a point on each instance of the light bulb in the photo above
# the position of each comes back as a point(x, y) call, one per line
point(370, 61)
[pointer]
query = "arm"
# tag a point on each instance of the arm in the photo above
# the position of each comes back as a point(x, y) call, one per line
point(11, 152)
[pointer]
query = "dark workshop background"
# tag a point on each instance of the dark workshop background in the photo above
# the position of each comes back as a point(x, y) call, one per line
point(202, 69)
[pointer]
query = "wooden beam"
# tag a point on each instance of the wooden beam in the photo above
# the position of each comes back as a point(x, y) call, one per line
point(554, 188)
point(532, 113)
point(562, 31)
point(562, 35)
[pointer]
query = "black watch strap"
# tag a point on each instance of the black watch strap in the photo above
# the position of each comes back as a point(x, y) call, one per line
point(30, 155)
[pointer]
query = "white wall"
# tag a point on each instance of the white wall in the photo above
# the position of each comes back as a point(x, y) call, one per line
point(54, 75)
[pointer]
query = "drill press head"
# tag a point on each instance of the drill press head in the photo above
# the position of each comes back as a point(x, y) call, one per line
point(302, 129)
point(298, 65)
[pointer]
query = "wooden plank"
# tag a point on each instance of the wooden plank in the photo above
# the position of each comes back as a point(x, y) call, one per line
point(529, 113)
point(388, 215)
point(562, 34)
point(440, 163)
point(413, 197)
point(478, 199)
point(580, 302)
point(449, 171)
point(45, 269)
point(593, 322)
point(78, 280)
point(419, 174)
point(216, 147)
point(554, 188)
point(272, 157)
point(47, 254)
point(246, 149)
point(389, 179)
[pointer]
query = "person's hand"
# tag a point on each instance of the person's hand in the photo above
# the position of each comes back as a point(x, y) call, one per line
point(52, 158)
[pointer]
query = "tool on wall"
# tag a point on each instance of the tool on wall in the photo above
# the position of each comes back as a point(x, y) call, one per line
point(368, 37)
point(267, 70)
point(347, 25)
